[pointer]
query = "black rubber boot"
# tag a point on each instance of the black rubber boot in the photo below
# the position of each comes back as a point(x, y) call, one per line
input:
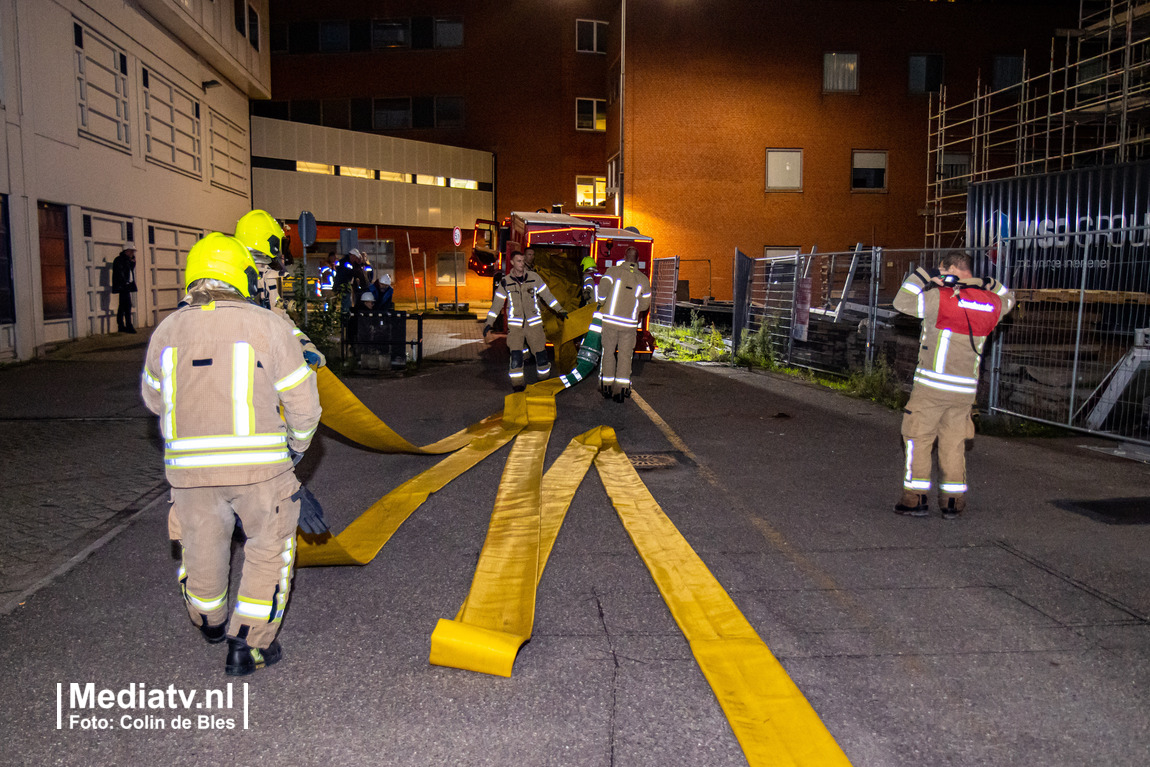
point(244, 660)
point(912, 505)
point(605, 391)
point(952, 506)
point(518, 388)
point(619, 396)
point(213, 634)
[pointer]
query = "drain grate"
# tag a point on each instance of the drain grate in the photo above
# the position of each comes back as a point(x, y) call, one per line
point(648, 461)
point(1112, 511)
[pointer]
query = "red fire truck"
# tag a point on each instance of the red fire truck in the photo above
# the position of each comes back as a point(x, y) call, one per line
point(561, 242)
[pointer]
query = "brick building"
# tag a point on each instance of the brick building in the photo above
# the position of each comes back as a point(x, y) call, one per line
point(753, 125)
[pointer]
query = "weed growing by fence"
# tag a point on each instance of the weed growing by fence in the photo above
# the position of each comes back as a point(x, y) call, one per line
point(695, 342)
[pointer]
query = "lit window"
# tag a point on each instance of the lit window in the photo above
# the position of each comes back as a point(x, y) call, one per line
point(840, 72)
point(450, 268)
point(314, 167)
point(390, 175)
point(348, 170)
point(391, 114)
point(590, 36)
point(426, 180)
point(464, 183)
point(784, 170)
point(868, 171)
point(777, 252)
point(390, 33)
point(591, 114)
point(449, 33)
point(590, 191)
point(925, 72)
point(334, 37)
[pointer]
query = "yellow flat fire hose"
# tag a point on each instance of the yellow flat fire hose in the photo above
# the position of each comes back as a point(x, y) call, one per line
point(770, 717)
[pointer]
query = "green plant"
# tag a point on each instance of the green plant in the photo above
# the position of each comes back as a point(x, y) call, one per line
point(879, 384)
point(757, 349)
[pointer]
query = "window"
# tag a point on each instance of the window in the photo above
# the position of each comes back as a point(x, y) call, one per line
point(353, 172)
point(102, 77)
point(925, 72)
point(336, 113)
point(390, 33)
point(590, 191)
point(390, 175)
point(279, 38)
point(425, 180)
point(449, 33)
point(955, 171)
point(334, 37)
point(448, 112)
point(784, 170)
point(228, 146)
point(391, 114)
point(777, 252)
point(276, 110)
point(303, 37)
point(613, 175)
point(254, 27)
point(590, 36)
point(1006, 73)
point(463, 183)
point(451, 268)
point(315, 167)
point(239, 15)
point(591, 114)
point(306, 111)
point(171, 124)
point(840, 73)
point(868, 171)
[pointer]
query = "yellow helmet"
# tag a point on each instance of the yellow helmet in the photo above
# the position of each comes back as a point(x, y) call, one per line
point(220, 257)
point(258, 231)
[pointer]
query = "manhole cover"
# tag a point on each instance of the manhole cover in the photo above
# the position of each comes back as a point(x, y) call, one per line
point(644, 461)
point(1112, 511)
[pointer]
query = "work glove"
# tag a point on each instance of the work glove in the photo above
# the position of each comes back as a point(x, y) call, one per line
point(562, 314)
point(312, 355)
point(310, 512)
point(486, 330)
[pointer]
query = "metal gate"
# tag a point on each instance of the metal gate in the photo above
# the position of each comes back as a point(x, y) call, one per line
point(664, 290)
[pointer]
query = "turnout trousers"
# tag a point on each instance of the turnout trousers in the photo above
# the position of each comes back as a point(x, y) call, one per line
point(521, 338)
point(931, 416)
point(206, 519)
point(615, 373)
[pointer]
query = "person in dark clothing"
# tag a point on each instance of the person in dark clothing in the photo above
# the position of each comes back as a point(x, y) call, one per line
point(383, 292)
point(124, 285)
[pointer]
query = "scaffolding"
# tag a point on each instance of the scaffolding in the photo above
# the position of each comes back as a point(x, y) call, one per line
point(1089, 106)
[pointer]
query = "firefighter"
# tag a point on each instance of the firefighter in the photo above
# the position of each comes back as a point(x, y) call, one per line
point(521, 289)
point(623, 293)
point(958, 312)
point(219, 372)
point(264, 238)
point(590, 278)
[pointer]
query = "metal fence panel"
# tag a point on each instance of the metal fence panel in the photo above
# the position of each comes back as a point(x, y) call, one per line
point(664, 290)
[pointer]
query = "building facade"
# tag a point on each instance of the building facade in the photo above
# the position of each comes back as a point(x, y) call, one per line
point(126, 125)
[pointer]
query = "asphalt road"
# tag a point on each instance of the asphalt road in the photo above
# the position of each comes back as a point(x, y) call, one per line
point(1016, 635)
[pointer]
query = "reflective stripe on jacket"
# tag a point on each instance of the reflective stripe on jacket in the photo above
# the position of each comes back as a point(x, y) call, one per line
point(217, 373)
point(623, 294)
point(522, 299)
point(950, 350)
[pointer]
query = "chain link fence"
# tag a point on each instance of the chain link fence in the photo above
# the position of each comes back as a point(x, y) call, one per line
point(1070, 354)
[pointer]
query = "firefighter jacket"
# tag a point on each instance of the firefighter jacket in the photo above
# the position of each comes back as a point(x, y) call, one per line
point(955, 324)
point(218, 372)
point(623, 294)
point(522, 298)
